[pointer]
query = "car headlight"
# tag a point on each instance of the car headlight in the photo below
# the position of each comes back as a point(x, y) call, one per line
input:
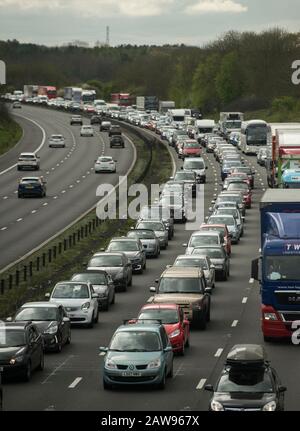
point(270, 316)
point(216, 406)
point(51, 330)
point(85, 306)
point(16, 360)
point(110, 365)
point(154, 364)
point(174, 333)
point(270, 407)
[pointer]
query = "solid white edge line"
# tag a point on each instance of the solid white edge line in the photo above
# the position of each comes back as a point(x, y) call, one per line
point(201, 384)
point(38, 149)
point(75, 383)
point(245, 299)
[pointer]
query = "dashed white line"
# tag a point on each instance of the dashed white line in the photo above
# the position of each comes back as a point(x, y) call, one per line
point(201, 384)
point(47, 173)
point(251, 281)
point(75, 383)
point(245, 299)
point(33, 211)
point(218, 353)
point(45, 204)
point(4, 228)
point(234, 323)
point(77, 181)
point(16, 191)
point(52, 169)
point(71, 186)
point(63, 191)
point(55, 197)
point(83, 176)
point(5, 197)
point(19, 219)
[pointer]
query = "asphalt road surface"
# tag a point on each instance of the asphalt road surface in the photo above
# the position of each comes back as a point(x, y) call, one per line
point(69, 172)
point(72, 380)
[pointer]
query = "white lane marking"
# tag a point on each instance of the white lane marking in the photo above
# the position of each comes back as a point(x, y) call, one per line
point(48, 172)
point(5, 197)
point(78, 181)
point(71, 186)
point(45, 204)
point(218, 353)
point(63, 191)
point(33, 211)
point(83, 176)
point(102, 354)
point(19, 219)
point(201, 384)
point(4, 228)
point(38, 149)
point(16, 191)
point(52, 169)
point(57, 164)
point(234, 323)
point(244, 301)
point(55, 197)
point(56, 369)
point(251, 281)
point(75, 383)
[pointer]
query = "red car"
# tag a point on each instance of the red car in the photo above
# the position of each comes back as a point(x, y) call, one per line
point(172, 317)
point(244, 189)
point(223, 229)
point(191, 148)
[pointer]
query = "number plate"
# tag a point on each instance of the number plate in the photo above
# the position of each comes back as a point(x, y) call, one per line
point(131, 374)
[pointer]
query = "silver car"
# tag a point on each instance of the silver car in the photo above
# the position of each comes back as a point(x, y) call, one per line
point(197, 165)
point(133, 249)
point(148, 239)
point(158, 228)
point(236, 214)
point(28, 161)
point(87, 131)
point(79, 299)
point(202, 262)
point(57, 141)
point(231, 224)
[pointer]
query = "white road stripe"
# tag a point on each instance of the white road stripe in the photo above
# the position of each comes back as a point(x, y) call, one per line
point(19, 219)
point(201, 384)
point(218, 353)
point(5, 197)
point(63, 191)
point(33, 211)
point(102, 354)
point(251, 281)
point(75, 383)
point(54, 197)
point(244, 301)
point(4, 228)
point(45, 204)
point(234, 323)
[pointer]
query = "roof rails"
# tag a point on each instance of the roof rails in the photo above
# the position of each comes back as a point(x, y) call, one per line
point(251, 355)
point(137, 320)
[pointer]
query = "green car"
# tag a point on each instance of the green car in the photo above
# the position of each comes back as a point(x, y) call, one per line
point(140, 353)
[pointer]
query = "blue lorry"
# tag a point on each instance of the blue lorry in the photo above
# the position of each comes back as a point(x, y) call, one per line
point(278, 267)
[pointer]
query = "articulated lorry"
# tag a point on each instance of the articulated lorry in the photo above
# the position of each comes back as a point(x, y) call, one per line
point(277, 269)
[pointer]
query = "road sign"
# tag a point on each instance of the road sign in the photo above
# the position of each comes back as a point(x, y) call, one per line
point(2, 72)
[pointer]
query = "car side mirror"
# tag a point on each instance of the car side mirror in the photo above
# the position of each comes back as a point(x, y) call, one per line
point(8, 319)
point(168, 349)
point(66, 320)
point(47, 295)
point(282, 389)
point(152, 289)
point(103, 349)
point(209, 388)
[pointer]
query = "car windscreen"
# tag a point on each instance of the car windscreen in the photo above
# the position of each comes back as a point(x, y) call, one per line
point(123, 246)
point(93, 278)
point(237, 186)
point(184, 176)
point(194, 165)
point(197, 262)
point(245, 380)
point(228, 220)
point(179, 285)
point(105, 261)
point(135, 341)
point(191, 145)
point(213, 253)
point(282, 268)
point(11, 337)
point(153, 226)
point(141, 234)
point(37, 314)
point(203, 240)
point(70, 291)
point(167, 316)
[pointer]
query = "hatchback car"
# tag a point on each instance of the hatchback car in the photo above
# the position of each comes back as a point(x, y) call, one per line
point(159, 212)
point(116, 264)
point(190, 148)
point(105, 126)
point(79, 299)
point(247, 170)
point(231, 223)
point(117, 141)
point(16, 105)
point(218, 257)
point(114, 130)
point(203, 238)
point(172, 317)
point(76, 119)
point(28, 161)
point(96, 119)
point(50, 319)
point(138, 354)
point(87, 131)
point(197, 165)
point(247, 383)
point(105, 164)
point(158, 228)
point(148, 239)
point(222, 228)
point(244, 189)
point(103, 285)
point(32, 186)
point(133, 249)
point(202, 262)
point(188, 179)
point(21, 349)
point(56, 141)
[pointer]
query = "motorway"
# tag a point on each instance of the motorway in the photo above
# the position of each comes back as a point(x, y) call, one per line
point(72, 380)
point(69, 172)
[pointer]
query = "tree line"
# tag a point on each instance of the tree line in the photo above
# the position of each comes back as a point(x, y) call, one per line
point(244, 71)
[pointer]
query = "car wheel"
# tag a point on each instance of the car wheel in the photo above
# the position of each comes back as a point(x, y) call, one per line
point(182, 351)
point(268, 339)
point(187, 343)
point(27, 372)
point(106, 386)
point(162, 383)
point(59, 346)
point(171, 372)
point(20, 195)
point(130, 281)
point(69, 337)
point(113, 299)
point(91, 324)
point(18, 168)
point(225, 276)
point(96, 318)
point(42, 362)
point(105, 307)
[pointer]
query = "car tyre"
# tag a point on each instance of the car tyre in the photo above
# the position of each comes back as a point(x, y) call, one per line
point(27, 372)
point(96, 318)
point(162, 383)
point(187, 343)
point(182, 350)
point(201, 322)
point(105, 307)
point(113, 300)
point(42, 362)
point(69, 337)
point(106, 386)
point(171, 372)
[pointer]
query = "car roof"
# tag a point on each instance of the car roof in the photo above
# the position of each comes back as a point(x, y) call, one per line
point(142, 326)
point(168, 306)
point(205, 225)
point(72, 282)
point(27, 154)
point(90, 271)
point(186, 256)
point(40, 304)
point(182, 272)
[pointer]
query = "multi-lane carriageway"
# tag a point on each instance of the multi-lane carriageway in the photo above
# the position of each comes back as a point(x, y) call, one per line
point(72, 380)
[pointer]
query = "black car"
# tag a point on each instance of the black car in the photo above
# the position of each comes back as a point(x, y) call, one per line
point(50, 319)
point(117, 141)
point(96, 119)
point(32, 187)
point(102, 284)
point(132, 248)
point(115, 130)
point(218, 257)
point(247, 382)
point(21, 349)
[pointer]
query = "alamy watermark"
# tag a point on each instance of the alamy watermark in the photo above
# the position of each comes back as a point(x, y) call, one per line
point(296, 73)
point(127, 202)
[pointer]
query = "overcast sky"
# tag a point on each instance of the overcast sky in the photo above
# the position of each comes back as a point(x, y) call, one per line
point(192, 22)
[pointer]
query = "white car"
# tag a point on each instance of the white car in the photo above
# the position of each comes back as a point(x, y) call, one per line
point(105, 164)
point(87, 131)
point(79, 299)
point(57, 141)
point(28, 161)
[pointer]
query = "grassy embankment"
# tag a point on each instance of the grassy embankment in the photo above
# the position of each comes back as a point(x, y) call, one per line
point(10, 131)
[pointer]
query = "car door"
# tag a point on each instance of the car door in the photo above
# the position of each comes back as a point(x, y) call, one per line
point(168, 356)
point(34, 346)
point(62, 327)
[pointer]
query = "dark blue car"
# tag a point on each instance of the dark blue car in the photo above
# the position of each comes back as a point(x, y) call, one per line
point(32, 186)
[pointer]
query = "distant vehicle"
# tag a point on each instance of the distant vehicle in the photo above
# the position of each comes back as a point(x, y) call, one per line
point(21, 349)
point(79, 299)
point(121, 99)
point(196, 164)
point(132, 248)
point(147, 103)
point(46, 90)
point(73, 94)
point(247, 382)
point(32, 186)
point(117, 141)
point(57, 141)
point(114, 130)
point(96, 119)
point(202, 262)
point(105, 164)
point(86, 131)
point(148, 239)
point(134, 343)
point(76, 119)
point(165, 105)
point(254, 135)
point(16, 105)
point(28, 161)
point(218, 257)
point(158, 227)
point(203, 238)
point(50, 319)
point(105, 126)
